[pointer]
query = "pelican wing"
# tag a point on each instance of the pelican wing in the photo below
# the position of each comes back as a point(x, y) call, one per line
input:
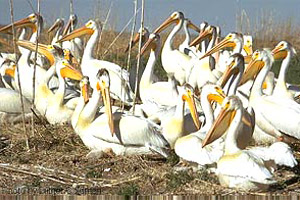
point(129, 130)
point(284, 114)
point(279, 152)
point(245, 165)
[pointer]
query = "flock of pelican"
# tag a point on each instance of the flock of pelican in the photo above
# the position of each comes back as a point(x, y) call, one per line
point(232, 96)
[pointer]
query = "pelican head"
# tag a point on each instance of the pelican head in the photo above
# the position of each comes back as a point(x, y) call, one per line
point(33, 21)
point(190, 24)
point(152, 43)
point(203, 25)
point(226, 116)
point(73, 19)
point(248, 40)
point(68, 54)
point(234, 66)
point(187, 94)
point(204, 34)
point(260, 58)
point(175, 17)
point(229, 41)
point(65, 70)
point(103, 84)
point(145, 37)
point(282, 49)
point(46, 50)
point(84, 86)
point(213, 93)
point(8, 68)
point(88, 29)
point(58, 23)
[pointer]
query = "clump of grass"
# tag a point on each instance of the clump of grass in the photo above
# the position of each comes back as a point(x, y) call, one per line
point(177, 179)
point(129, 190)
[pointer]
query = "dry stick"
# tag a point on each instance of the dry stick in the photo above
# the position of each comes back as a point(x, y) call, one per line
point(18, 75)
point(7, 167)
point(116, 38)
point(34, 67)
point(103, 26)
point(71, 13)
point(139, 56)
point(131, 38)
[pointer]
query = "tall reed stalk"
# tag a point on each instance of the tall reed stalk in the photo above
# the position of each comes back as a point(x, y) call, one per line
point(18, 74)
point(139, 55)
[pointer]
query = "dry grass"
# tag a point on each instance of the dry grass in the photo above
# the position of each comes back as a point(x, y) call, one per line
point(57, 164)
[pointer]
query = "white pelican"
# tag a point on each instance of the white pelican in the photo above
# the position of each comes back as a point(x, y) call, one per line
point(155, 94)
point(285, 51)
point(247, 47)
point(123, 133)
point(75, 45)
point(244, 169)
point(185, 46)
point(275, 116)
point(48, 102)
point(11, 107)
point(24, 65)
point(120, 89)
point(173, 126)
point(229, 82)
point(202, 70)
point(234, 40)
point(7, 71)
point(189, 147)
point(173, 61)
point(58, 25)
point(237, 168)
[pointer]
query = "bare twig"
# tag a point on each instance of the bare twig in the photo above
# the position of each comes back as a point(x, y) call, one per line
point(116, 38)
point(71, 13)
point(14, 169)
point(34, 66)
point(103, 27)
point(18, 74)
point(139, 56)
point(131, 38)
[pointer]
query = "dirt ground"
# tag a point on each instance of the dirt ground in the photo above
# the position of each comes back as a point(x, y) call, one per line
point(56, 163)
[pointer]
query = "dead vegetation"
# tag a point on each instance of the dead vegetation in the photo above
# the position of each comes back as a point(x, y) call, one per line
point(57, 164)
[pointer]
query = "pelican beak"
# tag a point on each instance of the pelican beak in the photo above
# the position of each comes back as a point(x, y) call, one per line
point(220, 125)
point(279, 54)
point(252, 70)
point(202, 36)
point(219, 97)
point(166, 23)
point(248, 49)
point(18, 24)
point(192, 106)
point(193, 26)
point(77, 33)
point(247, 58)
point(134, 41)
point(70, 72)
point(42, 49)
point(67, 27)
point(230, 70)
point(85, 93)
point(11, 71)
point(221, 45)
point(107, 103)
point(148, 45)
point(53, 26)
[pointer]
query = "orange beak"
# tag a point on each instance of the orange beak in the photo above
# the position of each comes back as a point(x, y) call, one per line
point(219, 127)
point(77, 33)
